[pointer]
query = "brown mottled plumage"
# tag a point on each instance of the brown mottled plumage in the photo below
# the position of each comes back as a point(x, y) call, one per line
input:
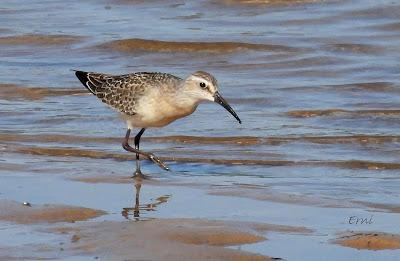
point(148, 99)
point(122, 92)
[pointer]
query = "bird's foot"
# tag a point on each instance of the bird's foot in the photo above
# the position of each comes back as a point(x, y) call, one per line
point(157, 161)
point(138, 175)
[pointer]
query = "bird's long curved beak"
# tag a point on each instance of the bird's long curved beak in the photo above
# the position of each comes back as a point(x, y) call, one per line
point(218, 99)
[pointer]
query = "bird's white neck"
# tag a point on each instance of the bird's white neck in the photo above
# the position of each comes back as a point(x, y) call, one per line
point(185, 100)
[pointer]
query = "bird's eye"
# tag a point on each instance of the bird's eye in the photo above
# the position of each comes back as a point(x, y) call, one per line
point(202, 85)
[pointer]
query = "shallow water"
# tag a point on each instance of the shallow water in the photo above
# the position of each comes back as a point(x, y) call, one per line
point(315, 83)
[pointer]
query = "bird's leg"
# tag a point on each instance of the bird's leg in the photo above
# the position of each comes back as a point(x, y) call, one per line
point(150, 156)
point(138, 172)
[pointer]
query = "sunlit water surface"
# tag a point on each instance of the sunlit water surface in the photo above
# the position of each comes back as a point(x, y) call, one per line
point(317, 88)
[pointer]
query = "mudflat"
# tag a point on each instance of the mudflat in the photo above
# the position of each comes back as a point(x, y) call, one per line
point(312, 172)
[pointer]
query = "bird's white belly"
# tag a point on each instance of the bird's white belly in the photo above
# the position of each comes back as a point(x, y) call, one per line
point(153, 112)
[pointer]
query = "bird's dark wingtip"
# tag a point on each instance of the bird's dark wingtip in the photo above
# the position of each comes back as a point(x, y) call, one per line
point(82, 76)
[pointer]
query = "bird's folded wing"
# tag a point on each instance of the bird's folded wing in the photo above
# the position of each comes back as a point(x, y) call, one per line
point(120, 92)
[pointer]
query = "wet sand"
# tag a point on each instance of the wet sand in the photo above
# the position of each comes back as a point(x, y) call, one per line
point(36, 39)
point(13, 92)
point(204, 140)
point(138, 45)
point(370, 241)
point(157, 239)
point(331, 112)
point(153, 239)
point(167, 239)
point(147, 235)
point(67, 152)
point(25, 213)
point(315, 83)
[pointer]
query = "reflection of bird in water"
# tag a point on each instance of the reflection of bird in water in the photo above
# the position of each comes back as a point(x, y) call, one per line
point(152, 100)
point(126, 212)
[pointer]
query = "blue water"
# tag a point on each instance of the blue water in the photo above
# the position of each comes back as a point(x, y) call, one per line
point(320, 105)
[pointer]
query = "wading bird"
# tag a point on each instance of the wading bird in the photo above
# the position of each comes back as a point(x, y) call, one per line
point(149, 99)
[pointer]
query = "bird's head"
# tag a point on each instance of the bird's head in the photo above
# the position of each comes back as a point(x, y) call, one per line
point(202, 86)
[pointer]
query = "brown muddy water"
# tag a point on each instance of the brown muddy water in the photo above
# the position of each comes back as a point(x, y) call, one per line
point(316, 84)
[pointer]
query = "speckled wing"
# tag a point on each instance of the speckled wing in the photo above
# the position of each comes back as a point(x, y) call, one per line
point(120, 92)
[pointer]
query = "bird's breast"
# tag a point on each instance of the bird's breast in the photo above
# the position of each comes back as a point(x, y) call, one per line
point(158, 111)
